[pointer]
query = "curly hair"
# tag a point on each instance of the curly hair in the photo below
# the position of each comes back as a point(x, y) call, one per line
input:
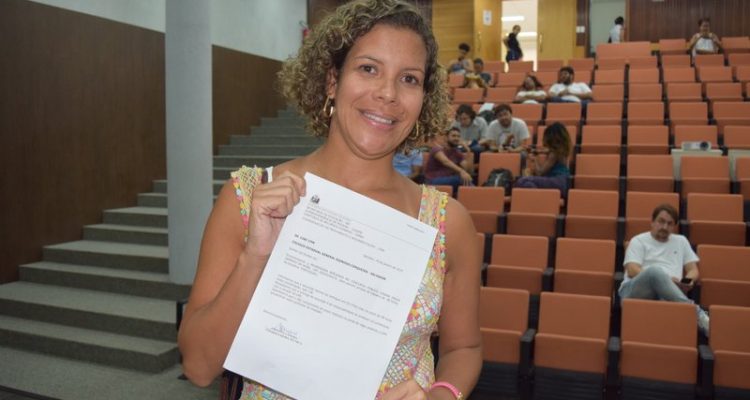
point(557, 140)
point(303, 82)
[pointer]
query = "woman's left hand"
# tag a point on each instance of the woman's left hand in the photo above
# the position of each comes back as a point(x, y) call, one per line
point(407, 390)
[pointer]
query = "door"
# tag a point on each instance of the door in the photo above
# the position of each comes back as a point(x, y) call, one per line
point(487, 32)
point(556, 37)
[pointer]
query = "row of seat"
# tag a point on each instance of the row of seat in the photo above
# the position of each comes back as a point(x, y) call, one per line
point(574, 355)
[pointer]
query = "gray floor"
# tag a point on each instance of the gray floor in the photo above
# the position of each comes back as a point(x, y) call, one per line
point(61, 378)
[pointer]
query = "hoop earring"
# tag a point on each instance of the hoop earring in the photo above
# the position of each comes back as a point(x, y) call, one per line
point(416, 133)
point(328, 107)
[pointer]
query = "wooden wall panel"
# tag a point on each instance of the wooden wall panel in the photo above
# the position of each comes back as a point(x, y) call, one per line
point(652, 21)
point(452, 23)
point(487, 39)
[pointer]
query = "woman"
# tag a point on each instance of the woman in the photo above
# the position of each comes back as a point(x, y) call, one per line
point(531, 91)
point(514, 48)
point(705, 41)
point(548, 167)
point(367, 78)
point(473, 129)
point(617, 33)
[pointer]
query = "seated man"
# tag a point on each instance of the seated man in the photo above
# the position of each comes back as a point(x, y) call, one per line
point(568, 91)
point(449, 163)
point(507, 133)
point(477, 79)
point(660, 265)
point(461, 64)
point(408, 164)
point(473, 129)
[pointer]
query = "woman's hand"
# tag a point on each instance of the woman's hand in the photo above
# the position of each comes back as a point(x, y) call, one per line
point(465, 178)
point(271, 204)
point(407, 390)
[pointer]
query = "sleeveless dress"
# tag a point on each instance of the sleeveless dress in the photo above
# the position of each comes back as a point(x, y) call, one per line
point(413, 356)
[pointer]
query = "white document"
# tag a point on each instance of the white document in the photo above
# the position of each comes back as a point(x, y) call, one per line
point(333, 299)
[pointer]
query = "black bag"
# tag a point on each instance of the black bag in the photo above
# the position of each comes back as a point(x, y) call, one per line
point(500, 177)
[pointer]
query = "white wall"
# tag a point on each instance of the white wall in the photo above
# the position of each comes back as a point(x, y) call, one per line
point(266, 28)
point(527, 38)
point(602, 16)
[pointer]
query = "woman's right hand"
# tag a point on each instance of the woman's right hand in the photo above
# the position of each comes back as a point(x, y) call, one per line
point(406, 390)
point(271, 204)
point(466, 178)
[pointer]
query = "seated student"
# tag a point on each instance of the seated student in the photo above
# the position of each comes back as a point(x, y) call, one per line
point(461, 64)
point(531, 91)
point(547, 167)
point(448, 162)
point(661, 265)
point(705, 41)
point(566, 90)
point(408, 164)
point(473, 128)
point(508, 134)
point(478, 79)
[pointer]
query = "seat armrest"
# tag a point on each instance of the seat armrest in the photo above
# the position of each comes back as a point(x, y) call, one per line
point(548, 279)
point(618, 277)
point(614, 347)
point(705, 370)
point(180, 311)
point(502, 223)
point(484, 273)
point(527, 353)
point(735, 187)
point(685, 228)
point(695, 293)
point(560, 226)
point(620, 236)
point(678, 185)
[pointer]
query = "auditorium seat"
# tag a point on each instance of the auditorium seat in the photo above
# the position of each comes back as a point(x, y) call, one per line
point(712, 74)
point(650, 173)
point(700, 174)
point(639, 207)
point(484, 204)
point(649, 92)
point(711, 60)
point(467, 96)
point(742, 75)
point(611, 64)
point(547, 78)
point(581, 64)
point(645, 113)
point(696, 133)
point(672, 46)
point(489, 161)
point(571, 347)
point(738, 59)
point(592, 274)
point(645, 75)
point(494, 66)
point(592, 214)
point(519, 262)
point(510, 79)
point(445, 189)
point(606, 113)
point(608, 93)
point(506, 341)
point(731, 350)
point(735, 44)
point(455, 80)
point(549, 65)
point(648, 139)
point(688, 113)
point(534, 212)
point(737, 137)
point(637, 63)
point(684, 92)
point(565, 113)
point(601, 139)
point(500, 95)
point(529, 113)
point(724, 275)
point(723, 91)
point(609, 76)
point(715, 219)
point(659, 358)
point(597, 172)
point(677, 75)
point(731, 113)
point(521, 66)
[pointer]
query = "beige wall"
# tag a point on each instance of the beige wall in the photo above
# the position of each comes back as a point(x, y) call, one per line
point(452, 23)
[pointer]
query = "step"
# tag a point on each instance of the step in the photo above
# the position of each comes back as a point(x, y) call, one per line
point(156, 200)
point(279, 131)
point(280, 140)
point(112, 349)
point(160, 185)
point(289, 113)
point(266, 150)
point(137, 216)
point(126, 234)
point(135, 257)
point(90, 309)
point(282, 121)
point(134, 283)
point(262, 161)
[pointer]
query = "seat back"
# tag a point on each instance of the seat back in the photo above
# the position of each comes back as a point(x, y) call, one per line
point(714, 207)
point(642, 204)
point(530, 113)
point(500, 95)
point(645, 113)
point(494, 66)
point(732, 110)
point(455, 80)
point(659, 322)
point(704, 167)
point(724, 91)
point(645, 92)
point(549, 65)
point(563, 112)
point(510, 79)
point(607, 112)
point(601, 139)
point(520, 251)
point(614, 92)
point(688, 112)
point(729, 328)
point(647, 62)
point(648, 139)
point(696, 133)
point(724, 262)
point(581, 64)
point(489, 161)
point(737, 59)
point(611, 63)
point(684, 92)
point(467, 96)
point(598, 164)
point(547, 78)
point(609, 76)
point(502, 308)
point(714, 60)
point(644, 75)
point(715, 73)
point(737, 137)
point(672, 46)
point(574, 315)
point(593, 203)
point(599, 255)
point(521, 66)
point(535, 201)
point(477, 198)
point(732, 44)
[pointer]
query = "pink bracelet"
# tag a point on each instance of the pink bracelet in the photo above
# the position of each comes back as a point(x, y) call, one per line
point(456, 393)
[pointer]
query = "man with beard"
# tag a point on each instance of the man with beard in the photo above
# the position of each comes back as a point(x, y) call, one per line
point(660, 265)
point(568, 91)
point(448, 163)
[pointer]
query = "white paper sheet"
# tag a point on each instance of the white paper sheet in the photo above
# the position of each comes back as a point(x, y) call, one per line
point(334, 296)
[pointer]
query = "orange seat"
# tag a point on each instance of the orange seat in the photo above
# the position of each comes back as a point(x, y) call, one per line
point(725, 275)
point(700, 174)
point(647, 62)
point(742, 176)
point(737, 137)
point(521, 66)
point(648, 139)
point(549, 65)
point(601, 139)
point(455, 80)
point(735, 44)
point(623, 50)
point(484, 204)
point(678, 75)
point(672, 46)
point(444, 188)
point(676, 61)
point(494, 66)
point(723, 91)
point(688, 113)
point(715, 219)
point(609, 76)
point(510, 79)
point(570, 350)
point(597, 171)
point(593, 274)
point(638, 209)
point(644, 75)
point(731, 113)
point(696, 133)
point(581, 64)
point(565, 113)
point(529, 113)
point(742, 74)
point(489, 161)
point(645, 113)
point(604, 113)
point(611, 63)
point(608, 93)
point(712, 74)
point(518, 262)
point(708, 60)
point(649, 92)
point(503, 321)
point(658, 349)
point(547, 78)
point(738, 59)
point(729, 327)
point(684, 92)
point(650, 173)
point(500, 95)
point(592, 214)
point(467, 96)
point(533, 212)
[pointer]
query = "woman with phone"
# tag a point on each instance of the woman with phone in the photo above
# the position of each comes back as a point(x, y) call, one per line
point(705, 41)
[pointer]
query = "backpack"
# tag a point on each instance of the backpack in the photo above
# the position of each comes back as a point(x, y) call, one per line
point(500, 177)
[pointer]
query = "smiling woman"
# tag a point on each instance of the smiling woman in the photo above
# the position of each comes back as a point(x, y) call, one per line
point(368, 80)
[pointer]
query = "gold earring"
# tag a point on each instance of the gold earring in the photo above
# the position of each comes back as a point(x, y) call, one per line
point(328, 107)
point(415, 133)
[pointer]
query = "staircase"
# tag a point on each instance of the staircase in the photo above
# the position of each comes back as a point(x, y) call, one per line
point(107, 298)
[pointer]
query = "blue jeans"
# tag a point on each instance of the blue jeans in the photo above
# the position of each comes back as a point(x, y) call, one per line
point(453, 180)
point(654, 284)
point(559, 182)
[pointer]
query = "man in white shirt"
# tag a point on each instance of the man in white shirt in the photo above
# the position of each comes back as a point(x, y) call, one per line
point(660, 265)
point(507, 133)
point(565, 90)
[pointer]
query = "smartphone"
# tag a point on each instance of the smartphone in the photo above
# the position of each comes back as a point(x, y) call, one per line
point(686, 281)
